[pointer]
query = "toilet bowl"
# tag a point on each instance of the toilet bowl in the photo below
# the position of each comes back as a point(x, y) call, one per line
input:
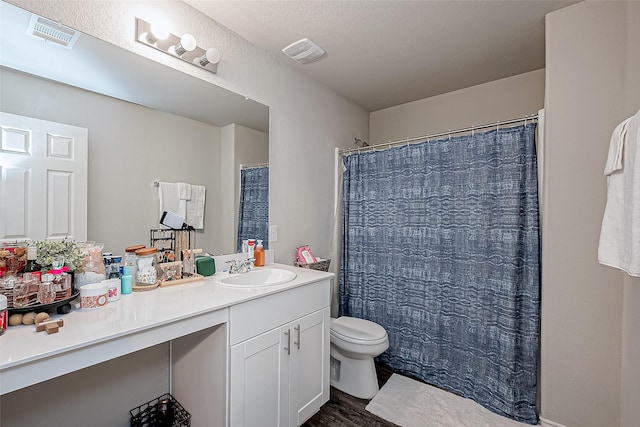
point(354, 344)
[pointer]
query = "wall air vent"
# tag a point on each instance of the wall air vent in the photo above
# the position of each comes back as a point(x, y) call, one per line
point(303, 51)
point(51, 31)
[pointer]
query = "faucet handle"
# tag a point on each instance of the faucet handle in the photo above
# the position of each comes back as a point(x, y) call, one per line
point(233, 266)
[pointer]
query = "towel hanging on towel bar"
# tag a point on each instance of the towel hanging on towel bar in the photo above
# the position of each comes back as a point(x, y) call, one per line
point(620, 234)
point(186, 200)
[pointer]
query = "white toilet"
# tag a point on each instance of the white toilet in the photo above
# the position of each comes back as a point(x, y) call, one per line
point(354, 344)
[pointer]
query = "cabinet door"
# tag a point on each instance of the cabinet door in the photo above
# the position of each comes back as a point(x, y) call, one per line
point(309, 365)
point(259, 394)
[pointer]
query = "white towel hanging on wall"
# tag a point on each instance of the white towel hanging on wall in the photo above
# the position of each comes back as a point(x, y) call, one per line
point(620, 234)
point(169, 199)
point(195, 207)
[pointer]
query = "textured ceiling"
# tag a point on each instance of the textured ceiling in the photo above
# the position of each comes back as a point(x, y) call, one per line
point(386, 53)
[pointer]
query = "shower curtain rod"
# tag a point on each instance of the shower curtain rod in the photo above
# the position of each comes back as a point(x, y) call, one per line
point(347, 151)
point(259, 165)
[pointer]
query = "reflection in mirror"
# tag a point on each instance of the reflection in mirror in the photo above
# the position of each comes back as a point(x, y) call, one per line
point(254, 205)
point(146, 122)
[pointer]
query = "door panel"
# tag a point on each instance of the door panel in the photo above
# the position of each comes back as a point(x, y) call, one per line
point(309, 366)
point(259, 377)
point(43, 185)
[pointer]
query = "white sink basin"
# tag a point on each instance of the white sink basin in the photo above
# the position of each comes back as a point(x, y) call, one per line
point(257, 278)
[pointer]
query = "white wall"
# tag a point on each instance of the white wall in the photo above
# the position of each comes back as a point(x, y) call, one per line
point(590, 347)
point(129, 147)
point(502, 99)
point(307, 120)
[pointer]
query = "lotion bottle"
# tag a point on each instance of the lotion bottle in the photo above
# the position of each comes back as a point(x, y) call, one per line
point(258, 254)
point(126, 281)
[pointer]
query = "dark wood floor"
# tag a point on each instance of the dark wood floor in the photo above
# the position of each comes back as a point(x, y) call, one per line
point(343, 410)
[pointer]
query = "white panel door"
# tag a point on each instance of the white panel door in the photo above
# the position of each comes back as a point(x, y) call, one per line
point(43, 186)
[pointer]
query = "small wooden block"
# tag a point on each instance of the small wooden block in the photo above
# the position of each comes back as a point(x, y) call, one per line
point(50, 326)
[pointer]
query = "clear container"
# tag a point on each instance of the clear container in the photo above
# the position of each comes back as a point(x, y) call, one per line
point(25, 293)
point(61, 284)
point(131, 260)
point(46, 290)
point(147, 261)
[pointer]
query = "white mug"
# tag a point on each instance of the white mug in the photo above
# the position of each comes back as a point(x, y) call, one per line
point(113, 286)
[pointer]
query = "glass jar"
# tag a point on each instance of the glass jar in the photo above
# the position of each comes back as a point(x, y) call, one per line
point(130, 259)
point(46, 290)
point(146, 262)
point(61, 284)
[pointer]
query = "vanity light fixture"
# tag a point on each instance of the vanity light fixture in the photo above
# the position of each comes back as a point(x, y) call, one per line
point(184, 47)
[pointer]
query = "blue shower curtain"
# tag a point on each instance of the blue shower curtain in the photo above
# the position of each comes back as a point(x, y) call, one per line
point(253, 210)
point(440, 246)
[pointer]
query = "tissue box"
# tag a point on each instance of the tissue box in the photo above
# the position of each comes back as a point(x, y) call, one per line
point(205, 266)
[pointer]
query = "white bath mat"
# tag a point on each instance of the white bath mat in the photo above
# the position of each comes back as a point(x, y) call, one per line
point(410, 403)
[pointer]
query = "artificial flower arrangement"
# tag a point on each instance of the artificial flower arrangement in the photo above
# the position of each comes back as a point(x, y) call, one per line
point(66, 250)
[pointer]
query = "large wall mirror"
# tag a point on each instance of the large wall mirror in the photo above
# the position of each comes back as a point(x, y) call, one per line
point(147, 122)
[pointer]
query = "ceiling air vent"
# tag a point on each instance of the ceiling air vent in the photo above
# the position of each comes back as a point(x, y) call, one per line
point(303, 51)
point(51, 31)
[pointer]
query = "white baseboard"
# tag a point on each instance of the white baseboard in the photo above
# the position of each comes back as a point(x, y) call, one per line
point(548, 423)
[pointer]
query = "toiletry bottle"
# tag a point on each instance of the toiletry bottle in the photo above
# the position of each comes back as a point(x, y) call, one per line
point(258, 254)
point(252, 244)
point(126, 281)
point(32, 265)
point(4, 316)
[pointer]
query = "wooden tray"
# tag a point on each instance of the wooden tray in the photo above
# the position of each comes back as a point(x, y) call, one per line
point(191, 278)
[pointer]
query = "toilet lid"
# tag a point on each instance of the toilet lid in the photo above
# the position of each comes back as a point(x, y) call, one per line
point(351, 328)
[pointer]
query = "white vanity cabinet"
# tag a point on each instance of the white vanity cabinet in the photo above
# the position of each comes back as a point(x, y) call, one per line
point(279, 357)
point(231, 356)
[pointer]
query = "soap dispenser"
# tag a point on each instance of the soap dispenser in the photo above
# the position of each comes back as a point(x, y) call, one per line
point(258, 254)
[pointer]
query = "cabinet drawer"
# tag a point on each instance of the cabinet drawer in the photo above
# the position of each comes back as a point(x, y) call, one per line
point(260, 315)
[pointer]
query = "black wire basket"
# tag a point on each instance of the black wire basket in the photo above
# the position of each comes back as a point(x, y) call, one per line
point(163, 411)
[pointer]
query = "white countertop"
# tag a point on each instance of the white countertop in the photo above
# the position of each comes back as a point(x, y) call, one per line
point(150, 317)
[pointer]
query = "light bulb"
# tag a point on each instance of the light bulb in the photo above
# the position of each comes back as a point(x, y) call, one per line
point(187, 44)
point(156, 32)
point(212, 56)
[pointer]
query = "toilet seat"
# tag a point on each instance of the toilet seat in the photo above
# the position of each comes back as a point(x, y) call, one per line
point(357, 331)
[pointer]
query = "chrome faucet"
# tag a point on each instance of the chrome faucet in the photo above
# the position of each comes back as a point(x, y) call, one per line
point(233, 266)
point(244, 266)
